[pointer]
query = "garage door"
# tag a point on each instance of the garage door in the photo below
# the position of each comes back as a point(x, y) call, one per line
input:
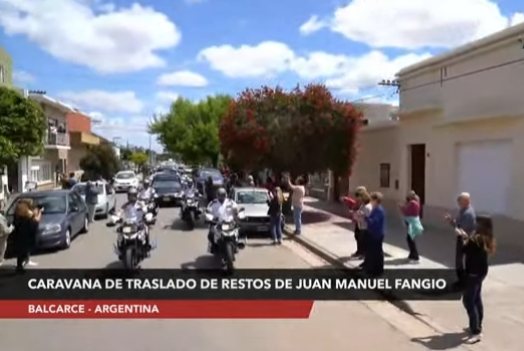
point(484, 170)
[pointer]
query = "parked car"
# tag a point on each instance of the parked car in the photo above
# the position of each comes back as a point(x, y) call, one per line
point(169, 190)
point(106, 197)
point(64, 216)
point(255, 204)
point(124, 180)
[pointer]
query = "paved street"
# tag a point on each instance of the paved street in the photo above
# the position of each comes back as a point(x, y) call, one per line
point(332, 326)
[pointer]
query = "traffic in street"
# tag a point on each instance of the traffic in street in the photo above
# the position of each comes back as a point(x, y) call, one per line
point(179, 247)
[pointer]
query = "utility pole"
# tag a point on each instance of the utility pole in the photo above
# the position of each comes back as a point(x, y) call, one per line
point(390, 83)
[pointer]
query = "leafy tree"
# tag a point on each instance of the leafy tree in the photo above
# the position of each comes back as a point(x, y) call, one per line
point(100, 161)
point(303, 131)
point(22, 127)
point(139, 158)
point(190, 130)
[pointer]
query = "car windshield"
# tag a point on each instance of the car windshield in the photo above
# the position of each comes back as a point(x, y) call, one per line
point(51, 204)
point(127, 175)
point(211, 173)
point(166, 184)
point(81, 189)
point(252, 197)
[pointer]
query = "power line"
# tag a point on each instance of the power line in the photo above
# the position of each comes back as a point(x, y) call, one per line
point(477, 71)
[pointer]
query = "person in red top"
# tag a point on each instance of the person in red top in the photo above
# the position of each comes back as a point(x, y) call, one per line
point(354, 205)
point(411, 208)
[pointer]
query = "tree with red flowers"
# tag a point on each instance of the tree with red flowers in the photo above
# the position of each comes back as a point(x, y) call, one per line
point(304, 131)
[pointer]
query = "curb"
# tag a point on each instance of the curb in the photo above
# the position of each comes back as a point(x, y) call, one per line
point(335, 261)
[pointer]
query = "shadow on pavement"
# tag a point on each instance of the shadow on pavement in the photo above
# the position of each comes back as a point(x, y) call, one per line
point(311, 217)
point(202, 262)
point(442, 341)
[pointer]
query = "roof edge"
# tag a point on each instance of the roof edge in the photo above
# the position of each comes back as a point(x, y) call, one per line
point(494, 38)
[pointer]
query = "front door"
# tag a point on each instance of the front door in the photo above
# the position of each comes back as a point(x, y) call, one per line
point(418, 171)
point(74, 208)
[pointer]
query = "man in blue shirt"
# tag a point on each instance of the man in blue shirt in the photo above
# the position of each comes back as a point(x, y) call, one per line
point(465, 220)
point(376, 228)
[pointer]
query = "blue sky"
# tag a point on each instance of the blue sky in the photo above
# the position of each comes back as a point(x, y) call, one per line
point(122, 61)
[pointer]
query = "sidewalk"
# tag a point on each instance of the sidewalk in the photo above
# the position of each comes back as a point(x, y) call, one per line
point(329, 234)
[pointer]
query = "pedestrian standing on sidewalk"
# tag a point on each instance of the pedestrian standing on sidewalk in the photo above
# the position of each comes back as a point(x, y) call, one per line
point(354, 206)
point(376, 227)
point(91, 200)
point(275, 214)
point(465, 220)
point(297, 200)
point(477, 247)
point(411, 213)
point(26, 220)
point(360, 217)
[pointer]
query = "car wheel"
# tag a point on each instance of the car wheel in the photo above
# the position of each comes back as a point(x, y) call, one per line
point(85, 228)
point(67, 239)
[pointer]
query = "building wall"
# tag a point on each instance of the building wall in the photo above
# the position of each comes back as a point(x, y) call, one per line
point(6, 66)
point(77, 122)
point(75, 155)
point(475, 102)
point(377, 146)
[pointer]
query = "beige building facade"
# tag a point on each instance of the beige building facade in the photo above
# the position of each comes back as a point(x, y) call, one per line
point(460, 129)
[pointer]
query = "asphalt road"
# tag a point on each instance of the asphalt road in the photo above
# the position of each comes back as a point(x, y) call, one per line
point(332, 326)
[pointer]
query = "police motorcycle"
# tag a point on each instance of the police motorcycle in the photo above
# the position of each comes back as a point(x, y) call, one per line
point(190, 209)
point(133, 241)
point(226, 237)
point(150, 203)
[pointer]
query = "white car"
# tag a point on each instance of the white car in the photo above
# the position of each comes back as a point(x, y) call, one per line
point(106, 197)
point(124, 180)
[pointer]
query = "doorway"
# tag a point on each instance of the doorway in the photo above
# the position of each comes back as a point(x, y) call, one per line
point(418, 172)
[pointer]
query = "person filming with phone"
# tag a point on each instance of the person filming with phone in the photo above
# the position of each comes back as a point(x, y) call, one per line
point(26, 220)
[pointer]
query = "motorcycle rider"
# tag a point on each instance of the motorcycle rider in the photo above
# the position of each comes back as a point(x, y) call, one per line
point(133, 204)
point(147, 192)
point(218, 208)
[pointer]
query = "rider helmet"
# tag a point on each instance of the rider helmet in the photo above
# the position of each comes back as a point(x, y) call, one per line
point(132, 194)
point(221, 194)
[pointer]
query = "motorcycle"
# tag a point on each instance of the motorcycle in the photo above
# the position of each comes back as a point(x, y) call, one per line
point(226, 238)
point(190, 209)
point(132, 246)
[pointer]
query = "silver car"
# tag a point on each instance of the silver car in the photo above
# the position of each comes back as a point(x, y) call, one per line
point(255, 203)
point(106, 197)
point(124, 180)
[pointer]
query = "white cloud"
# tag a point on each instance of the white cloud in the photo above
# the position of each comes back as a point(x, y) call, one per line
point(415, 24)
point(319, 64)
point(265, 59)
point(313, 24)
point(23, 77)
point(517, 18)
point(99, 36)
point(366, 71)
point(182, 78)
point(347, 74)
point(119, 101)
point(167, 96)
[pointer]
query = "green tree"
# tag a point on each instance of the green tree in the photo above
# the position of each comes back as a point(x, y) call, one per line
point(22, 126)
point(139, 158)
point(190, 130)
point(100, 161)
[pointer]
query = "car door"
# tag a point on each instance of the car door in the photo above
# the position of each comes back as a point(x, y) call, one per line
point(76, 212)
